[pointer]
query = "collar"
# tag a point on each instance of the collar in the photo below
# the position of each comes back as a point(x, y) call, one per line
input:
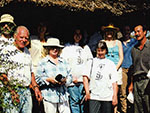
point(48, 59)
point(145, 45)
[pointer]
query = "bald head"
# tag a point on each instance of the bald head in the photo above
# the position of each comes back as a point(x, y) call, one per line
point(21, 37)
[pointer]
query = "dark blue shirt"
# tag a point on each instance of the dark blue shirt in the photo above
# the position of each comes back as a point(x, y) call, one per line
point(127, 61)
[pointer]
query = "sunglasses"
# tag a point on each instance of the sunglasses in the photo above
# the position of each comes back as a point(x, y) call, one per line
point(53, 47)
point(9, 24)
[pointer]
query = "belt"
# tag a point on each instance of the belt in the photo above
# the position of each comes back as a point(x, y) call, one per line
point(140, 77)
point(76, 84)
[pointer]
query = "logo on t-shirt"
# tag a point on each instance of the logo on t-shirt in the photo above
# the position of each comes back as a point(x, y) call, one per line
point(98, 74)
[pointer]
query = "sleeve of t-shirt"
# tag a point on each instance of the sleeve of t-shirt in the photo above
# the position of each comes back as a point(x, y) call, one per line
point(87, 69)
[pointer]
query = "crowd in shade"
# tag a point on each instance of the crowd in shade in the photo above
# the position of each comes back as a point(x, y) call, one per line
point(106, 71)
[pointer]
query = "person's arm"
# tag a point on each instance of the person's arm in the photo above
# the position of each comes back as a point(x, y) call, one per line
point(130, 88)
point(35, 87)
point(14, 94)
point(86, 87)
point(115, 92)
point(120, 54)
point(130, 77)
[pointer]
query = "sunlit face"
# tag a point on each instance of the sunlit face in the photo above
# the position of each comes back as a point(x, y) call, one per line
point(139, 33)
point(21, 38)
point(54, 51)
point(77, 36)
point(101, 53)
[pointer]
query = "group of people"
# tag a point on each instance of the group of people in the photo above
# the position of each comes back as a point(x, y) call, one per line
point(74, 77)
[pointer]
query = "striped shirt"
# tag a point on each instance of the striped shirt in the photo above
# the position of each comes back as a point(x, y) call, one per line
point(46, 68)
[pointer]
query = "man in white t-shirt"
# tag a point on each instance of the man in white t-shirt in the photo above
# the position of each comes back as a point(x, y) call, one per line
point(17, 75)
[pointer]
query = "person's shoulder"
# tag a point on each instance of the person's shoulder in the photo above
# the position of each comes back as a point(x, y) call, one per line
point(148, 41)
point(86, 47)
point(119, 43)
point(72, 48)
point(109, 61)
point(121, 39)
point(26, 50)
point(118, 40)
point(63, 60)
point(8, 50)
point(34, 37)
point(44, 60)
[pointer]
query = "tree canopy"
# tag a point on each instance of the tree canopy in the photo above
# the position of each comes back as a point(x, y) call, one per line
point(117, 7)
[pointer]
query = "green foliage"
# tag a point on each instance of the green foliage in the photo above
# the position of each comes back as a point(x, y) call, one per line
point(6, 87)
point(13, 85)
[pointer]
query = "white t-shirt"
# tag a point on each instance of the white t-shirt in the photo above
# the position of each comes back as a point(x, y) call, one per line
point(77, 57)
point(16, 64)
point(5, 41)
point(101, 77)
point(36, 51)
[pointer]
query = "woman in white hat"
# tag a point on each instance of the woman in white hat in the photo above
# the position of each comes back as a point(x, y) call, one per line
point(115, 50)
point(53, 76)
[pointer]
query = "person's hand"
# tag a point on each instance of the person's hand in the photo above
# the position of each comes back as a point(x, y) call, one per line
point(148, 74)
point(15, 97)
point(114, 100)
point(63, 81)
point(38, 94)
point(52, 80)
point(75, 79)
point(87, 96)
point(130, 89)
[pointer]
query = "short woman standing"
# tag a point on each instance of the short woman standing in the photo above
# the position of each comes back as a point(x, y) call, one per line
point(100, 73)
point(53, 77)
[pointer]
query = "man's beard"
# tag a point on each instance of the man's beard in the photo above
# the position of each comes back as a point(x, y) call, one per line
point(6, 31)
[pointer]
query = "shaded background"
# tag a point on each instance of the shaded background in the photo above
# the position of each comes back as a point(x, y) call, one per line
point(62, 21)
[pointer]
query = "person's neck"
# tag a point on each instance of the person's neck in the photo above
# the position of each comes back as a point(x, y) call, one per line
point(109, 39)
point(42, 37)
point(54, 59)
point(76, 43)
point(126, 39)
point(141, 43)
point(20, 49)
point(6, 36)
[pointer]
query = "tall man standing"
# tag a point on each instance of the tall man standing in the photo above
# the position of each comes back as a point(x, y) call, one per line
point(15, 66)
point(138, 71)
point(127, 43)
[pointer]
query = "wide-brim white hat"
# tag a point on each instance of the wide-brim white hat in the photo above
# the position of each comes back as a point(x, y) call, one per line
point(53, 42)
point(7, 18)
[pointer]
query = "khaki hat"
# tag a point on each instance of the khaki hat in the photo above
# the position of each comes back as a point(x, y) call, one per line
point(7, 18)
point(110, 26)
point(53, 42)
